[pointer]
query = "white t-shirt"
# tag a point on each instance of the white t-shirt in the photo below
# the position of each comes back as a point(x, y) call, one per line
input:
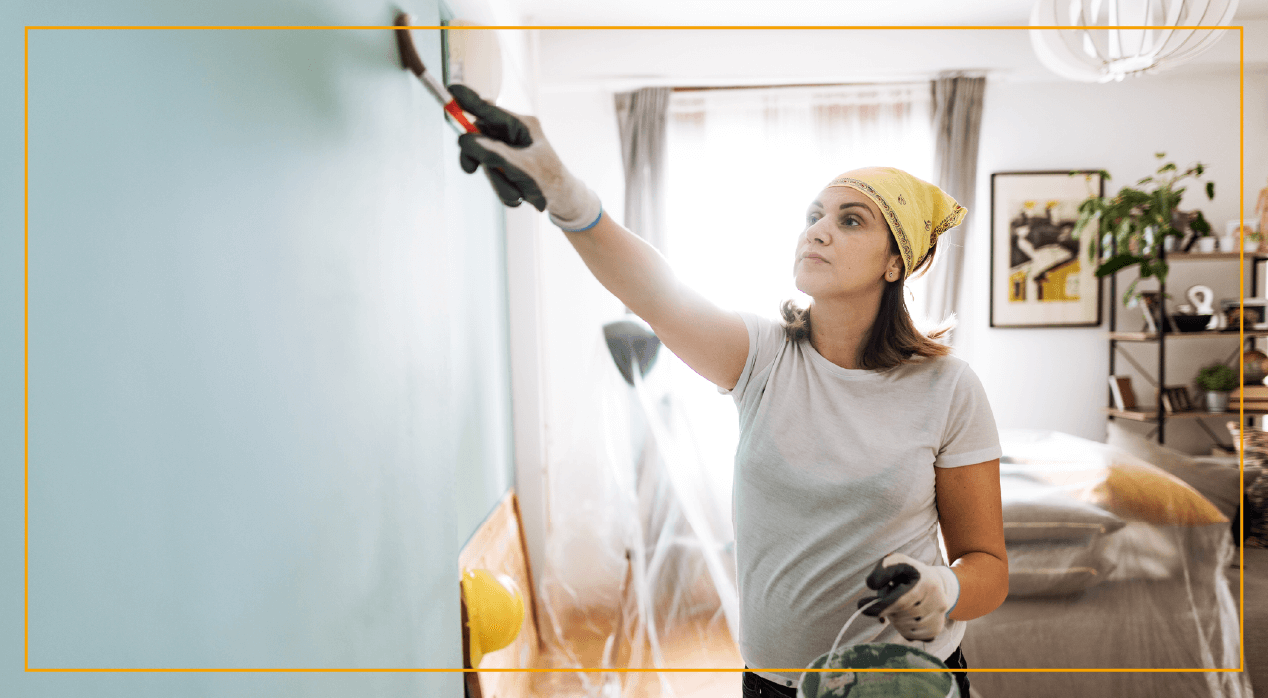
point(835, 470)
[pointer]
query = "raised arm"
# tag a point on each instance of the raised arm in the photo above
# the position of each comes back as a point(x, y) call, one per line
point(712, 341)
point(522, 166)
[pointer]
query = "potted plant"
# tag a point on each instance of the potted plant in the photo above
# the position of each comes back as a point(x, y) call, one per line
point(1253, 241)
point(1133, 225)
point(1217, 380)
point(1205, 242)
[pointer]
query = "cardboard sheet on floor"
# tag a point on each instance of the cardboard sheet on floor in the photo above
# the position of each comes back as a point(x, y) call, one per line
point(498, 546)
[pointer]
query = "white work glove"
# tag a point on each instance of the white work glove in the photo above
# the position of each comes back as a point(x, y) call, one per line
point(521, 165)
point(916, 598)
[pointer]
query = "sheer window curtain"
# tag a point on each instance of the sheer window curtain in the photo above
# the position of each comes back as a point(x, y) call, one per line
point(641, 117)
point(957, 121)
point(742, 166)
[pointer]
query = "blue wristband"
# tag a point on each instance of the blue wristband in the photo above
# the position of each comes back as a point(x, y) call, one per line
point(582, 230)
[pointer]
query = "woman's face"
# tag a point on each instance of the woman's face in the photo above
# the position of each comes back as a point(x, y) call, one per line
point(845, 247)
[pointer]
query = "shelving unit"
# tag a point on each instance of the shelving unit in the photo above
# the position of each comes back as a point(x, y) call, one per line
point(1158, 415)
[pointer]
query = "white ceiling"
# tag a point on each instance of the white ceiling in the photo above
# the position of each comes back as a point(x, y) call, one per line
point(793, 12)
point(623, 60)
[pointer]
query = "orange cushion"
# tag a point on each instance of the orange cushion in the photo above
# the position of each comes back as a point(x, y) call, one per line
point(1140, 491)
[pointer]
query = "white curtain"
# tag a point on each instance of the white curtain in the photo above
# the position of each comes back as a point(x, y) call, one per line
point(640, 117)
point(742, 167)
point(957, 121)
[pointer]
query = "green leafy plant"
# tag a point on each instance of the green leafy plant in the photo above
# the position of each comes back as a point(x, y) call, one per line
point(1134, 223)
point(1217, 378)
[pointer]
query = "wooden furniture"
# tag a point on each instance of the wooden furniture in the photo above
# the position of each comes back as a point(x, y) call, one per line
point(1156, 413)
point(498, 546)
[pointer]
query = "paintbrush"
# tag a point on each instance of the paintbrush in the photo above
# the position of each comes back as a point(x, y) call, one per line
point(411, 61)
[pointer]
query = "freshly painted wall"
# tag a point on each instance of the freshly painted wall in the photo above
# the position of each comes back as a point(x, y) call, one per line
point(269, 375)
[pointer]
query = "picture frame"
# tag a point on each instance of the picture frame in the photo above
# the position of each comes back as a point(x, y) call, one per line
point(1151, 307)
point(1122, 393)
point(1040, 274)
point(1176, 399)
point(1255, 311)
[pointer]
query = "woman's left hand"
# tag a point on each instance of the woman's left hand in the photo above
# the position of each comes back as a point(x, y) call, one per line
point(915, 597)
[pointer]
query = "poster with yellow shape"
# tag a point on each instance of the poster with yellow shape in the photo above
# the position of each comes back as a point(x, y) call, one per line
point(1040, 274)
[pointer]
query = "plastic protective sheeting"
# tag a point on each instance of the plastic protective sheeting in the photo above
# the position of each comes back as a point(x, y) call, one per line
point(639, 563)
point(1113, 563)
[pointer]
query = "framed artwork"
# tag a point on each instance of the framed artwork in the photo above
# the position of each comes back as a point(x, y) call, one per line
point(1255, 311)
point(1151, 305)
point(1121, 391)
point(1176, 399)
point(1040, 272)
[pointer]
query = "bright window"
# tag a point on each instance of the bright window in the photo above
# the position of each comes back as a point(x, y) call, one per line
point(742, 167)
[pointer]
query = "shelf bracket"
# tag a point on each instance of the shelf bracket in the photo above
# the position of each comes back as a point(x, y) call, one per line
point(1131, 360)
point(1214, 439)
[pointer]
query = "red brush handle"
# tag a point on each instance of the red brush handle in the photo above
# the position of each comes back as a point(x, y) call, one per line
point(456, 112)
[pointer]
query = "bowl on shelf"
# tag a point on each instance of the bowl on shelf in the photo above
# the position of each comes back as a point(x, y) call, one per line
point(1191, 323)
point(1255, 367)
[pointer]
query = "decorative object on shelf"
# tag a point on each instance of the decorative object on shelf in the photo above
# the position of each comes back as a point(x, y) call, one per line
point(1038, 276)
point(1111, 39)
point(1191, 323)
point(1254, 368)
point(1231, 241)
point(1203, 299)
point(1218, 322)
point(1250, 310)
point(1195, 317)
point(1206, 244)
point(1150, 303)
point(1217, 381)
point(1261, 207)
point(1176, 399)
point(1132, 224)
point(1253, 242)
point(1253, 398)
point(1121, 390)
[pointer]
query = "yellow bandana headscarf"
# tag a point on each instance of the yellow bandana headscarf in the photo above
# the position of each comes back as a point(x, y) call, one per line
point(917, 211)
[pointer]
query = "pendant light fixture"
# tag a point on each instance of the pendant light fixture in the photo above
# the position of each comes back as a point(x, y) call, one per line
point(1096, 47)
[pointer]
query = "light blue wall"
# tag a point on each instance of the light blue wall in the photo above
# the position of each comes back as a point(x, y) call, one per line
point(269, 394)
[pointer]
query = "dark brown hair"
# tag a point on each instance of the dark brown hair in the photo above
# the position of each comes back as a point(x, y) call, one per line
point(893, 338)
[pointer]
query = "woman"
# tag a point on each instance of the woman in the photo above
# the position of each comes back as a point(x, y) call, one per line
point(859, 436)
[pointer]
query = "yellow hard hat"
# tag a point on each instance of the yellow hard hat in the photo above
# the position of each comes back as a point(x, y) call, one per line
point(495, 611)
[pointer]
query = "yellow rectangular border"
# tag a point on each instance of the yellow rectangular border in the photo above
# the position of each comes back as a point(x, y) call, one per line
point(25, 206)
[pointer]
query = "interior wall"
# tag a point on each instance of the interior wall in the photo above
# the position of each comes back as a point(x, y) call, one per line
point(270, 391)
point(1056, 378)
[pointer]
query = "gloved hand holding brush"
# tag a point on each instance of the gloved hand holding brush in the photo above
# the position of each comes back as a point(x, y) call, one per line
point(915, 597)
point(521, 165)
